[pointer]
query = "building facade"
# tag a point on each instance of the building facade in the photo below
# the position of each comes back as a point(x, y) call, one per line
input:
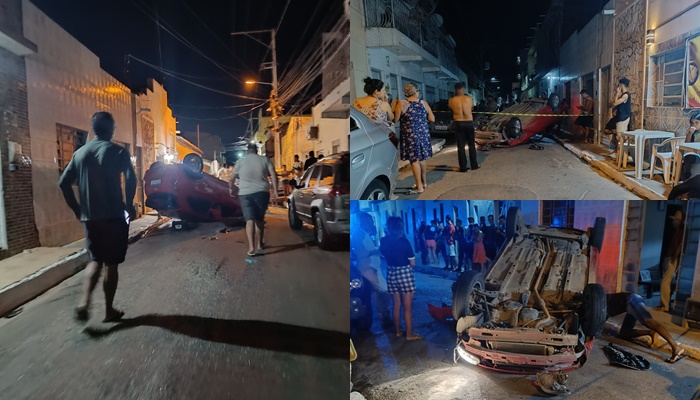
point(17, 228)
point(65, 87)
point(399, 42)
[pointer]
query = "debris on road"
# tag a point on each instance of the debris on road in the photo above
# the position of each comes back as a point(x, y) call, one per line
point(552, 382)
point(624, 358)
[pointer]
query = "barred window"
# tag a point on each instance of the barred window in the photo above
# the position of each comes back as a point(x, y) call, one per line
point(68, 140)
point(667, 75)
point(559, 214)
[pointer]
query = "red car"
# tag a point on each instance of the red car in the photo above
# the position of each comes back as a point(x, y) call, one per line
point(184, 192)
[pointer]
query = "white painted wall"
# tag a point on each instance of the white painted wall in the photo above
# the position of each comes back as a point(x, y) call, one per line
point(358, 48)
point(164, 125)
point(65, 85)
point(661, 11)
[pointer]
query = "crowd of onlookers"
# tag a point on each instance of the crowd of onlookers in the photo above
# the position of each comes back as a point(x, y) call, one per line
point(458, 247)
point(450, 245)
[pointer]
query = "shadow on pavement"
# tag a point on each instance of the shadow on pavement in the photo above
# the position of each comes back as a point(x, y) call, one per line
point(272, 336)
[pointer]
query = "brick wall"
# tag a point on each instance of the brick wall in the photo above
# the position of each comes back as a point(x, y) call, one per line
point(14, 126)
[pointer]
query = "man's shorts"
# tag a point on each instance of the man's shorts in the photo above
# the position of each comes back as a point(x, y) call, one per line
point(636, 307)
point(254, 205)
point(431, 244)
point(107, 240)
point(400, 280)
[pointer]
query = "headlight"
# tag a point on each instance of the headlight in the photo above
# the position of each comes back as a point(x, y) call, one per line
point(466, 356)
point(355, 283)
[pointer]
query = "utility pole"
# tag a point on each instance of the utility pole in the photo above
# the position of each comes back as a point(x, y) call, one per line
point(275, 107)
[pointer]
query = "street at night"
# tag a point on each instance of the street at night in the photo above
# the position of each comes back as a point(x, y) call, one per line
point(202, 322)
point(515, 173)
point(389, 368)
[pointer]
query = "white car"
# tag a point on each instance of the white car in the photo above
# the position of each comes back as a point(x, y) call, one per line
point(374, 159)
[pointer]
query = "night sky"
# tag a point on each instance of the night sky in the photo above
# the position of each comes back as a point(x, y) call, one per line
point(500, 28)
point(113, 29)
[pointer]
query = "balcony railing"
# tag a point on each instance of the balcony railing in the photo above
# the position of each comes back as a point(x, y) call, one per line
point(413, 22)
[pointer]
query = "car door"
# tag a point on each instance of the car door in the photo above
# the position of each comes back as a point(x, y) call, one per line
point(360, 152)
point(305, 194)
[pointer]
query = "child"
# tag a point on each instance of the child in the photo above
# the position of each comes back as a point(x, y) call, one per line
point(479, 252)
point(453, 257)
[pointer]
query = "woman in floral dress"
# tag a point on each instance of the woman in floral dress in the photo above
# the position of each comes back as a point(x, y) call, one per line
point(414, 115)
point(375, 105)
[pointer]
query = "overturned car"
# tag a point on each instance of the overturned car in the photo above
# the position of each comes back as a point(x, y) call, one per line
point(538, 307)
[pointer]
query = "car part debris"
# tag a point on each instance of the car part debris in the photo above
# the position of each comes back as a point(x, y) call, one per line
point(624, 358)
point(552, 382)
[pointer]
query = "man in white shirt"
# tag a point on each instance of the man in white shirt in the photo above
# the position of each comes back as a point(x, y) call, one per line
point(253, 172)
point(369, 262)
point(224, 173)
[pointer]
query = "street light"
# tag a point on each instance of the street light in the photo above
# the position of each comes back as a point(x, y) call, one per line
point(258, 83)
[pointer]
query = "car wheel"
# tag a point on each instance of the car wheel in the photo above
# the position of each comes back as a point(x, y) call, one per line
point(321, 236)
point(513, 222)
point(598, 234)
point(294, 221)
point(375, 191)
point(594, 310)
point(464, 296)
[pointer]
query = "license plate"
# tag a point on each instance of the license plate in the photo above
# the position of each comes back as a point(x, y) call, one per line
point(440, 128)
point(155, 182)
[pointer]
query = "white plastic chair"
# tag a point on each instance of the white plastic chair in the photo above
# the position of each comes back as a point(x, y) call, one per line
point(625, 148)
point(667, 158)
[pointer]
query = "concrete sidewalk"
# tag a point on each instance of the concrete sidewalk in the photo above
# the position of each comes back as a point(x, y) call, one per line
point(27, 275)
point(596, 156)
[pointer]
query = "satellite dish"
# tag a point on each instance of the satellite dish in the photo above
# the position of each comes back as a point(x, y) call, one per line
point(437, 20)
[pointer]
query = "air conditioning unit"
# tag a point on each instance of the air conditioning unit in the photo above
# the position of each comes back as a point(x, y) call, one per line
point(312, 133)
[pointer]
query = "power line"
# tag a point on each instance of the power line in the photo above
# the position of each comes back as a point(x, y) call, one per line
point(194, 83)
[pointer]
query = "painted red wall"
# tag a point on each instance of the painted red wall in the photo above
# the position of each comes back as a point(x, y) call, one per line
point(609, 258)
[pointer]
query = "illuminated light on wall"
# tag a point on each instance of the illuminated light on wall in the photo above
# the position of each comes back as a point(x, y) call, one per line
point(651, 36)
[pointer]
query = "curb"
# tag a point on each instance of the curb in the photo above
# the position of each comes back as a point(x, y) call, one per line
point(692, 352)
point(610, 172)
point(36, 284)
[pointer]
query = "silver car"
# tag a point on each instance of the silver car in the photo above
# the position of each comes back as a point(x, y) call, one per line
point(374, 159)
point(322, 198)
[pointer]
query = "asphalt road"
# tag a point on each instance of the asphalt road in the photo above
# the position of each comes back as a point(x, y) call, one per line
point(516, 173)
point(390, 368)
point(202, 322)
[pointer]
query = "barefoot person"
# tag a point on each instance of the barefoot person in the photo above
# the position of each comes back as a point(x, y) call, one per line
point(400, 280)
point(97, 168)
point(253, 172)
point(633, 305)
point(461, 106)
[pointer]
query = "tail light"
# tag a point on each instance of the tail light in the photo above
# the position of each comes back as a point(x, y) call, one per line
point(339, 190)
point(394, 139)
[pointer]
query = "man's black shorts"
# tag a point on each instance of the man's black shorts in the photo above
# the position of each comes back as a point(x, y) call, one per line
point(107, 240)
point(254, 205)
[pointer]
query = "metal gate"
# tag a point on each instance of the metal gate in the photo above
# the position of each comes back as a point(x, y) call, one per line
point(632, 246)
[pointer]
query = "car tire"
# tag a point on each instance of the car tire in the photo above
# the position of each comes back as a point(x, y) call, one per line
point(462, 297)
point(594, 310)
point(597, 234)
point(376, 190)
point(364, 323)
point(321, 236)
point(294, 220)
point(193, 165)
point(513, 222)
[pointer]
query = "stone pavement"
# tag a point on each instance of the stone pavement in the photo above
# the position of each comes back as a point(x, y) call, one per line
point(27, 275)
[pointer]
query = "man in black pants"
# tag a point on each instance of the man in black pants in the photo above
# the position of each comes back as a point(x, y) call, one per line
point(461, 106)
point(97, 167)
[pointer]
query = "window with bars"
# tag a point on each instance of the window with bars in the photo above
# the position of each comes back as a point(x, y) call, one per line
point(667, 75)
point(558, 214)
point(68, 140)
